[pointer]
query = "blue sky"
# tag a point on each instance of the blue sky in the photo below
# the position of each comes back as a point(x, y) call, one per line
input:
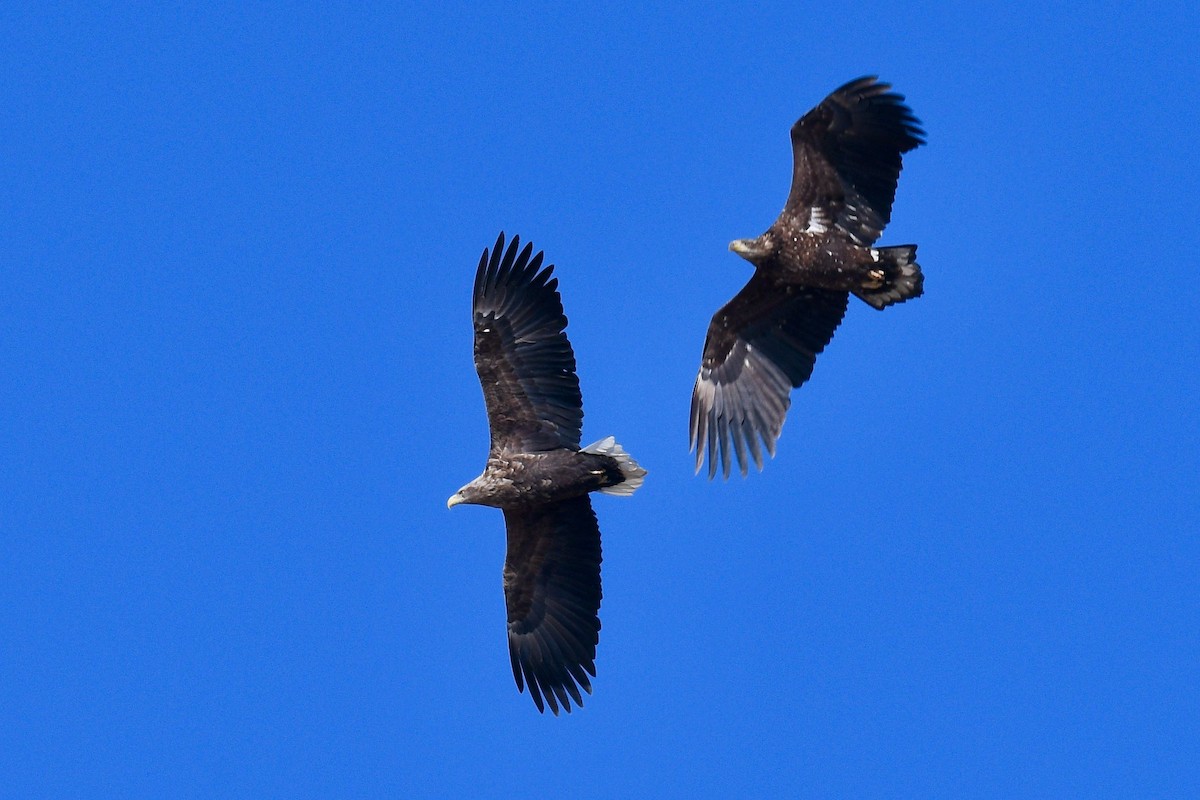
point(237, 248)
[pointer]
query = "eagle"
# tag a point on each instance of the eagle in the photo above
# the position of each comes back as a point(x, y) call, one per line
point(846, 161)
point(537, 474)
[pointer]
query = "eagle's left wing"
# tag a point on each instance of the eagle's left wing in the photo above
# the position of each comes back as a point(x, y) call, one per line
point(846, 159)
point(524, 360)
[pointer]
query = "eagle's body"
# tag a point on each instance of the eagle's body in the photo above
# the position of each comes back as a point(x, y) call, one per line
point(538, 475)
point(522, 480)
point(792, 254)
point(820, 250)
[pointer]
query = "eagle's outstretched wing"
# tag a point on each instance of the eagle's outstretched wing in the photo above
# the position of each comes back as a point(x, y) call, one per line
point(552, 592)
point(760, 345)
point(846, 159)
point(522, 355)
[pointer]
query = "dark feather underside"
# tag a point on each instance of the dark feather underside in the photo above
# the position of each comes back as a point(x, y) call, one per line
point(847, 158)
point(552, 592)
point(524, 360)
point(759, 347)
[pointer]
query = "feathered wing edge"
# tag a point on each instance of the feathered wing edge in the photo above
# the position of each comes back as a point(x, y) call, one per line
point(552, 592)
point(525, 362)
point(856, 138)
point(759, 347)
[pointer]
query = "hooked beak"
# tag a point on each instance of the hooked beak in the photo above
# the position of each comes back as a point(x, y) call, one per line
point(455, 499)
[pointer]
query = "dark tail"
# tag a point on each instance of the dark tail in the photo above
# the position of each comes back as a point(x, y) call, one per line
point(902, 278)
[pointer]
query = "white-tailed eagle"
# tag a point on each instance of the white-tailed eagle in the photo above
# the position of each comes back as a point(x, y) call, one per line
point(539, 477)
point(846, 161)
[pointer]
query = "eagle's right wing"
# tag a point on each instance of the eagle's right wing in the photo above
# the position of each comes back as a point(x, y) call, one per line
point(760, 345)
point(552, 592)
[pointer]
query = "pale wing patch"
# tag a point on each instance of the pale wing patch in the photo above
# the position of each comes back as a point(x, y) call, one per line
point(818, 220)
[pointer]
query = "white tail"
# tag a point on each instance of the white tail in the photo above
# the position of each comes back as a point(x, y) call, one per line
point(633, 472)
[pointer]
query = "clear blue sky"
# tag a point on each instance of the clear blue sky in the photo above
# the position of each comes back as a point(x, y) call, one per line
point(236, 252)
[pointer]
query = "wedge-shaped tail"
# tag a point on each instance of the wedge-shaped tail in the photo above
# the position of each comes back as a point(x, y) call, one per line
point(633, 472)
point(902, 278)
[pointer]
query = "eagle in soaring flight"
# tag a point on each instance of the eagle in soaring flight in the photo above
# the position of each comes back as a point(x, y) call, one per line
point(539, 477)
point(846, 156)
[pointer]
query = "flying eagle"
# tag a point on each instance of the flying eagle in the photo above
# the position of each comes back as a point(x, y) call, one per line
point(539, 477)
point(846, 156)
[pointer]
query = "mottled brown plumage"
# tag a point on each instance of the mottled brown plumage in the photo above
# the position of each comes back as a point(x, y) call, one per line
point(538, 475)
point(763, 343)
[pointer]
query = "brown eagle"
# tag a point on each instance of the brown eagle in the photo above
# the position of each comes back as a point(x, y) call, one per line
point(539, 477)
point(846, 156)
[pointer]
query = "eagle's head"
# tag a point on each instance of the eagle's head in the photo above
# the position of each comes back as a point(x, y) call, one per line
point(754, 250)
point(470, 493)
